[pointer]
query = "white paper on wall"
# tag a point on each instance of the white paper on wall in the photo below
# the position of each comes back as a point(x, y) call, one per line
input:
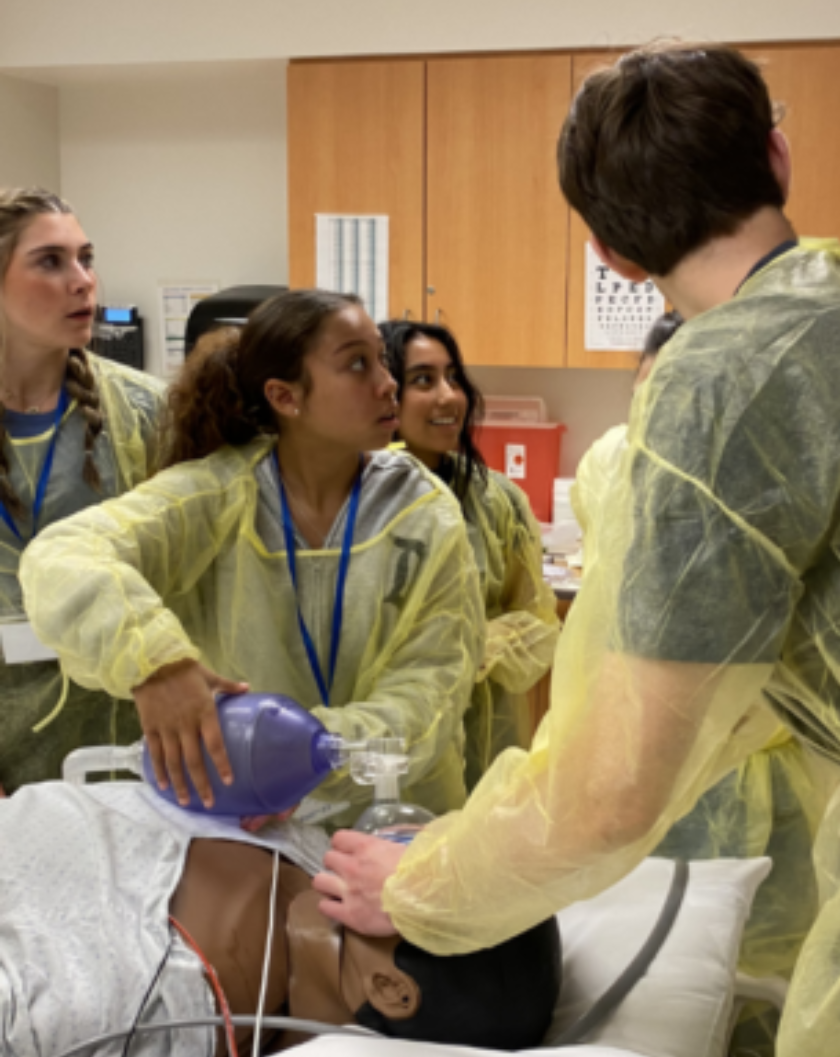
point(351, 257)
point(177, 300)
point(619, 313)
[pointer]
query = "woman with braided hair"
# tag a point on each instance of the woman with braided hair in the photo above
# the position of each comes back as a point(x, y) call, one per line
point(74, 430)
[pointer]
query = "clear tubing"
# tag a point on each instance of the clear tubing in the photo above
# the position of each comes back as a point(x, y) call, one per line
point(380, 763)
point(334, 751)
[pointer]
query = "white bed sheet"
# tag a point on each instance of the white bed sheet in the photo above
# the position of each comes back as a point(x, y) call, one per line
point(349, 1046)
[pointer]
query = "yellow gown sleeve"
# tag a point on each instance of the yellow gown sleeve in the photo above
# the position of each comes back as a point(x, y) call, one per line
point(612, 766)
point(637, 729)
point(521, 639)
point(93, 584)
point(134, 404)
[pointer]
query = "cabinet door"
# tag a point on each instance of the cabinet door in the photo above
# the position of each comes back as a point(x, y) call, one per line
point(356, 145)
point(804, 80)
point(497, 223)
point(577, 354)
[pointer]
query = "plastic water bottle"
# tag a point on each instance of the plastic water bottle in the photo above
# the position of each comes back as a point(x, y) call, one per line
point(279, 752)
point(380, 765)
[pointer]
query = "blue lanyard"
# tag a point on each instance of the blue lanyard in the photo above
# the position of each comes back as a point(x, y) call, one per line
point(324, 688)
point(46, 470)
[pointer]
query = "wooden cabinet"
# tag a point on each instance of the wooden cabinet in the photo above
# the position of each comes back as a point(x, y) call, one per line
point(460, 154)
point(497, 225)
point(357, 145)
point(804, 83)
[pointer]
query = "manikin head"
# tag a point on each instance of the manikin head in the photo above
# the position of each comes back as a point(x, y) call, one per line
point(502, 998)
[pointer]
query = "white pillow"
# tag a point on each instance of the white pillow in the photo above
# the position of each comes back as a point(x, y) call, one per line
point(348, 1046)
point(681, 1007)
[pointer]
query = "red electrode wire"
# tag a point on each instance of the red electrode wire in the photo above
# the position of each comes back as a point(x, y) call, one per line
point(224, 1009)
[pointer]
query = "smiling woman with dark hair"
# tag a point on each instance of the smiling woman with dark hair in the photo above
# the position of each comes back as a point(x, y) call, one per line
point(439, 406)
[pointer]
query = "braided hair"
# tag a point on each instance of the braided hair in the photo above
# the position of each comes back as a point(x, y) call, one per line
point(81, 385)
point(18, 208)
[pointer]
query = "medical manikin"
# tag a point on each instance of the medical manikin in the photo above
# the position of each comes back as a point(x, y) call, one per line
point(90, 876)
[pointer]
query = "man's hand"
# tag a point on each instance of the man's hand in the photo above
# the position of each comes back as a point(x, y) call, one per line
point(178, 713)
point(359, 866)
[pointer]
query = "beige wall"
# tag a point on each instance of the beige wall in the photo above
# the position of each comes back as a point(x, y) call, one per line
point(179, 176)
point(29, 151)
point(50, 33)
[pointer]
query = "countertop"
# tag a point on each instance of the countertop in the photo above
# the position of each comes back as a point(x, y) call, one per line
point(563, 581)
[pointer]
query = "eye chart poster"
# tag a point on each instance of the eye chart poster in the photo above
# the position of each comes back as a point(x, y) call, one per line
point(619, 313)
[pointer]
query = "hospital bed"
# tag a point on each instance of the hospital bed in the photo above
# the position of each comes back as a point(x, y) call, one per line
point(684, 1006)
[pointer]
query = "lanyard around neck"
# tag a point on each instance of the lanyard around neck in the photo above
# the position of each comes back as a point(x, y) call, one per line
point(44, 477)
point(324, 687)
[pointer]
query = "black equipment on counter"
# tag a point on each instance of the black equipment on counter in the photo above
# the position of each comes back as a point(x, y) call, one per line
point(118, 334)
point(230, 306)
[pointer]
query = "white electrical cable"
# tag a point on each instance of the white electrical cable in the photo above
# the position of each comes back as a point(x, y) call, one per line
point(311, 1027)
point(269, 940)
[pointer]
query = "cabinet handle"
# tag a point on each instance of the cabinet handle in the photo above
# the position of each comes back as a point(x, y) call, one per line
point(406, 315)
point(437, 316)
point(430, 289)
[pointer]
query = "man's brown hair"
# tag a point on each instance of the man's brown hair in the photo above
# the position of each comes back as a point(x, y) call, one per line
point(668, 149)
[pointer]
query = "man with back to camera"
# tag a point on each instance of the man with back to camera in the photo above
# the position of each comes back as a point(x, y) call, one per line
point(719, 580)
